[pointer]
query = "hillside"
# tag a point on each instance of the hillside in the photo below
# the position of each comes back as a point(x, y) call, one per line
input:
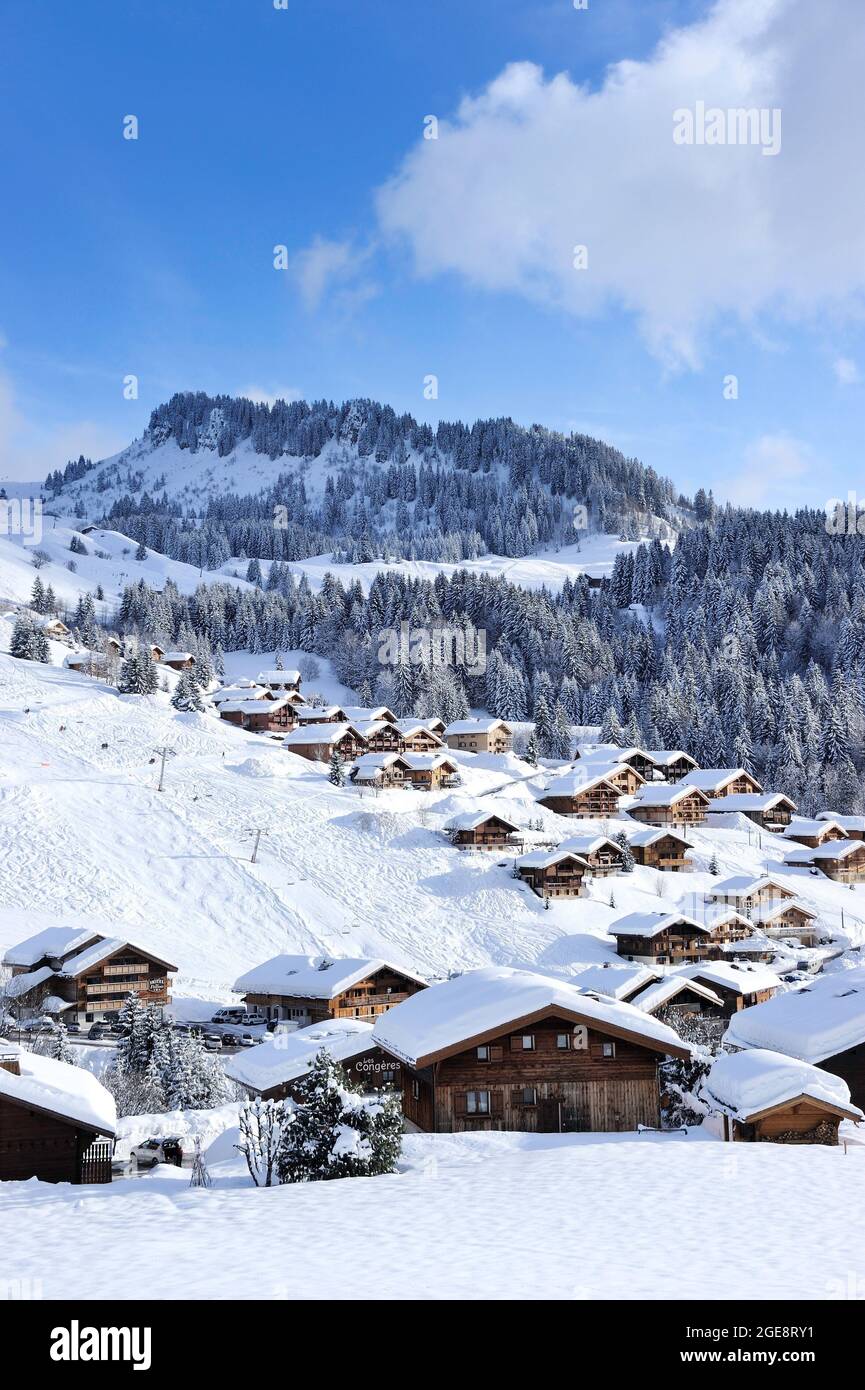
point(84, 828)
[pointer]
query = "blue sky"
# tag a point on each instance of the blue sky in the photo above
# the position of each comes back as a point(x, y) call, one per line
point(261, 127)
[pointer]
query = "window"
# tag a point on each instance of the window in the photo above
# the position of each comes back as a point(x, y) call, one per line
point(528, 1042)
point(389, 1078)
point(415, 1090)
point(483, 1054)
point(609, 1049)
point(563, 1041)
point(527, 1095)
point(477, 1102)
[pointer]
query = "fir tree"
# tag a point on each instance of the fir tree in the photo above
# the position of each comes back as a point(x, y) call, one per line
point(337, 773)
point(336, 1131)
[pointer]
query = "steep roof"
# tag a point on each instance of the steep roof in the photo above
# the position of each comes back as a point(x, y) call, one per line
point(51, 943)
point(824, 1018)
point(661, 993)
point(312, 977)
point(483, 1003)
point(744, 885)
point(588, 843)
point(58, 1089)
point(666, 793)
point(710, 778)
point(470, 820)
point(746, 1084)
point(647, 835)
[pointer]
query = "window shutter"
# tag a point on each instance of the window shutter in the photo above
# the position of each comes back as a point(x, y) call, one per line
point(496, 1053)
point(517, 1043)
point(460, 1103)
point(497, 1104)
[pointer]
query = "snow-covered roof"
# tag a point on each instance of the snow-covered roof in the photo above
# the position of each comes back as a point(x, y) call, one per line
point(368, 712)
point(647, 835)
point(777, 909)
point(665, 756)
point(425, 762)
point(241, 690)
point(845, 822)
point(31, 979)
point(370, 764)
point(319, 733)
point(51, 943)
point(666, 793)
point(712, 778)
point(319, 714)
point(604, 767)
point(252, 706)
point(101, 950)
point(748, 801)
point(615, 980)
point(470, 820)
point(482, 1003)
point(824, 1018)
point(544, 859)
point(475, 726)
point(415, 726)
point(745, 977)
point(59, 1089)
point(178, 656)
point(663, 991)
point(744, 1084)
point(575, 783)
point(744, 886)
point(833, 849)
point(312, 977)
point(276, 677)
point(802, 825)
point(286, 1056)
point(649, 924)
point(589, 844)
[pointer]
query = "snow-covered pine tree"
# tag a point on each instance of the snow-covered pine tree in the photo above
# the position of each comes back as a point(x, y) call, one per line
point(531, 753)
point(337, 772)
point(627, 853)
point(336, 1131)
point(58, 1045)
point(25, 642)
point(187, 694)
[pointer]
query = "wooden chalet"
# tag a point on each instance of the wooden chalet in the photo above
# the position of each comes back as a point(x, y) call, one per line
point(622, 776)
point(380, 771)
point(822, 1023)
point(766, 1097)
point(751, 896)
point(280, 682)
point(57, 1122)
point(501, 1049)
point(677, 997)
point(573, 795)
point(723, 781)
point(660, 849)
point(616, 980)
point(791, 919)
point(853, 826)
point(679, 804)
point(741, 984)
point(321, 714)
point(275, 1069)
point(841, 860)
point(812, 833)
point(417, 737)
point(479, 736)
point(557, 873)
point(241, 690)
point(259, 716)
point(381, 737)
point(84, 975)
point(318, 742)
point(602, 855)
point(178, 661)
point(671, 938)
point(770, 810)
point(51, 626)
point(481, 830)
point(306, 989)
point(671, 765)
point(368, 714)
point(430, 771)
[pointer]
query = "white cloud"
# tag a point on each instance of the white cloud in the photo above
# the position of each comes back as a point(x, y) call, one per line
point(846, 371)
point(337, 267)
point(778, 470)
point(270, 396)
point(680, 235)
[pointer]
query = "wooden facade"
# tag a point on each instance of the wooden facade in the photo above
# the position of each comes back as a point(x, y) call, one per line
point(850, 1065)
point(682, 942)
point(818, 834)
point(495, 738)
point(687, 809)
point(348, 745)
point(802, 1120)
point(563, 878)
point(271, 716)
point(493, 832)
point(596, 800)
point(847, 868)
point(667, 853)
point(366, 999)
point(737, 997)
point(625, 778)
point(103, 987)
point(438, 774)
point(539, 1075)
point(36, 1142)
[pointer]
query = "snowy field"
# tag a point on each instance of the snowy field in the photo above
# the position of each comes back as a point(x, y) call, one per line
point(508, 1216)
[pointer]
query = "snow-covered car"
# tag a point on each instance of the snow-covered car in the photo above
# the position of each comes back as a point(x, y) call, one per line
point(168, 1149)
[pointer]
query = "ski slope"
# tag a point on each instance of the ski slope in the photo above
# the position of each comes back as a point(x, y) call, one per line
point(85, 832)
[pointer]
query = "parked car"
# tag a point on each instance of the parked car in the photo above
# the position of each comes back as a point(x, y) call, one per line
point(96, 1030)
point(248, 1040)
point(229, 1015)
point(73, 1027)
point(254, 1021)
point(168, 1149)
point(230, 1040)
